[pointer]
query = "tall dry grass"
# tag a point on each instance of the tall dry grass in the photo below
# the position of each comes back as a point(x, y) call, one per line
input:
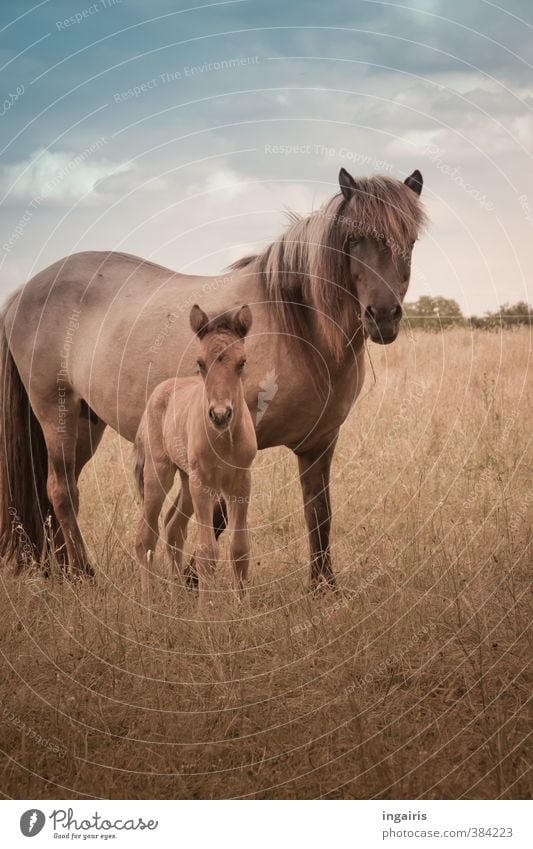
point(414, 682)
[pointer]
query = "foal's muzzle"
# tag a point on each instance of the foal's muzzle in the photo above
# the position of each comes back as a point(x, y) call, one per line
point(382, 323)
point(221, 416)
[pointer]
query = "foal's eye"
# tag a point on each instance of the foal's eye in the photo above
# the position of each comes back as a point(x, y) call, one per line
point(201, 365)
point(240, 365)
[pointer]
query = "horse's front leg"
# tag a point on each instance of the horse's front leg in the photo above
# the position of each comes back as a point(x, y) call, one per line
point(314, 467)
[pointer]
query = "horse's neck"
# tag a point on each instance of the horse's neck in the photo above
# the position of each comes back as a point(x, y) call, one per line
point(351, 337)
point(246, 287)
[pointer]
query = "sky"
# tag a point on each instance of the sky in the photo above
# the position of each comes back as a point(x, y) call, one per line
point(183, 131)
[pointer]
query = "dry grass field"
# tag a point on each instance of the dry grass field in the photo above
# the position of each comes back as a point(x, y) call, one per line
point(413, 682)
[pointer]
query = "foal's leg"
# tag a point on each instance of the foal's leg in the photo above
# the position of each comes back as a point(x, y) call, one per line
point(176, 522)
point(207, 546)
point(314, 478)
point(220, 522)
point(158, 478)
point(240, 537)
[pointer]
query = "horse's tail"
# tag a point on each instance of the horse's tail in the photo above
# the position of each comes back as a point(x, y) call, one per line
point(24, 502)
point(139, 457)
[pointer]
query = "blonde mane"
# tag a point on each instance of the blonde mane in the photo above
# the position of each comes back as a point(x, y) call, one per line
point(305, 272)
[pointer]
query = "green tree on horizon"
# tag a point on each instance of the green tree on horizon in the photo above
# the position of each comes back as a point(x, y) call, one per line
point(433, 312)
point(437, 313)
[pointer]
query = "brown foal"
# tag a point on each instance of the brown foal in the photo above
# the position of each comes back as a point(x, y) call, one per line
point(205, 430)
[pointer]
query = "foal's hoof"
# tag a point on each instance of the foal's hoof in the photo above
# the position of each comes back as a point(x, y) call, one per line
point(192, 583)
point(191, 578)
point(82, 573)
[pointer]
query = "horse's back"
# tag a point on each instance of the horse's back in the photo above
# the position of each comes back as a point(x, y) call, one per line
point(100, 319)
point(166, 421)
point(91, 278)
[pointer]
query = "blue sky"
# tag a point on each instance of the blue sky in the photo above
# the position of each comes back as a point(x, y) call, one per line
point(181, 131)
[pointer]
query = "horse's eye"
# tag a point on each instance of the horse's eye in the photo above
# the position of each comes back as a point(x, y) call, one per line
point(201, 365)
point(354, 242)
point(240, 365)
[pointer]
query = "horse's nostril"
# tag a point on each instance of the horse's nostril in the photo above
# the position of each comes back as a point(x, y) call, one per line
point(397, 313)
point(220, 415)
point(370, 313)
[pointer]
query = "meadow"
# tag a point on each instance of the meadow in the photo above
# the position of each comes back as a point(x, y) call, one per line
point(413, 682)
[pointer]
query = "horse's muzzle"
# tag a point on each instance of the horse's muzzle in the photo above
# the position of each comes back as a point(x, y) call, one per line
point(382, 325)
point(220, 416)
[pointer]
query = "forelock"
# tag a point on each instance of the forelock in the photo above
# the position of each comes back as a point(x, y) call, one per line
point(381, 208)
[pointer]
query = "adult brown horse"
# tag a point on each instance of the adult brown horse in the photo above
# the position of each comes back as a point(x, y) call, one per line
point(86, 341)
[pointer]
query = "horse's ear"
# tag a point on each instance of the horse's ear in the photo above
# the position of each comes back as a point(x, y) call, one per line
point(199, 321)
point(415, 181)
point(242, 321)
point(347, 184)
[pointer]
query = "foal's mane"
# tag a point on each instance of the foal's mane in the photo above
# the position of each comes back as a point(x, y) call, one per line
point(305, 272)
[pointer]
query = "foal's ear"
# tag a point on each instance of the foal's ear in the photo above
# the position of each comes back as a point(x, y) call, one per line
point(415, 181)
point(347, 184)
point(199, 321)
point(242, 321)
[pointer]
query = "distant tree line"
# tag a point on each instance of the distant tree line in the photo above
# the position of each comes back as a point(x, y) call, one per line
point(436, 313)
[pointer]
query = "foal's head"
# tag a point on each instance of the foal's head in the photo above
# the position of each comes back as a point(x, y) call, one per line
point(221, 360)
point(383, 217)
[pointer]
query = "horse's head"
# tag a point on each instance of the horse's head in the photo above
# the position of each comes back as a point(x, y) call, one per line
point(221, 360)
point(383, 217)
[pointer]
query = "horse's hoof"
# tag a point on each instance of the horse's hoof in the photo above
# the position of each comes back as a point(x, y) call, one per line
point(323, 585)
point(87, 572)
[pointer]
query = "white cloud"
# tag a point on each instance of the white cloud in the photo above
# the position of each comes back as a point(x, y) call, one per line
point(226, 181)
point(59, 177)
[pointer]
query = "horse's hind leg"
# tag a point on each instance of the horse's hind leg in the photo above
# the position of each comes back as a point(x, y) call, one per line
point(89, 435)
point(220, 523)
point(176, 522)
point(59, 422)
